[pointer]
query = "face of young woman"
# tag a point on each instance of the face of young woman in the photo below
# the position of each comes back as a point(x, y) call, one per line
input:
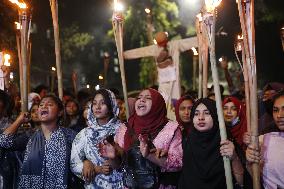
point(202, 119)
point(143, 103)
point(48, 110)
point(100, 109)
point(278, 113)
point(34, 113)
point(71, 108)
point(230, 112)
point(184, 110)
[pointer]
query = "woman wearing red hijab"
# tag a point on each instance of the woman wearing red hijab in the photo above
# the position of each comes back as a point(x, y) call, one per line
point(152, 149)
point(235, 119)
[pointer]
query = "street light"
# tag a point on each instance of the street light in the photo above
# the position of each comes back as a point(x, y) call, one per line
point(53, 68)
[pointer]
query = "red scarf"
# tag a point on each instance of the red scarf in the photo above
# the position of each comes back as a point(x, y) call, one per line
point(148, 125)
point(238, 130)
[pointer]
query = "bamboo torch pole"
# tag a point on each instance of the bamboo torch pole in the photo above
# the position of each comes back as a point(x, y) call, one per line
point(54, 12)
point(198, 22)
point(118, 33)
point(210, 21)
point(24, 57)
point(195, 60)
point(253, 97)
point(246, 13)
point(247, 91)
point(18, 40)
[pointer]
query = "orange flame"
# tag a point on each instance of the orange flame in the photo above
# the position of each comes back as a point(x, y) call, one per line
point(18, 26)
point(240, 37)
point(20, 5)
point(7, 57)
point(212, 4)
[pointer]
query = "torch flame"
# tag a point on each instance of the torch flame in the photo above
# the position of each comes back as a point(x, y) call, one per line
point(212, 4)
point(240, 37)
point(118, 7)
point(18, 26)
point(20, 5)
point(7, 57)
point(195, 53)
point(199, 16)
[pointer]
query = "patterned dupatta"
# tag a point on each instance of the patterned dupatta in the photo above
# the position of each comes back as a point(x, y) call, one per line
point(46, 162)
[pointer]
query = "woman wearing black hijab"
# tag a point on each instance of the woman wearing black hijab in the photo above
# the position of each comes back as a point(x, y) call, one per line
point(203, 166)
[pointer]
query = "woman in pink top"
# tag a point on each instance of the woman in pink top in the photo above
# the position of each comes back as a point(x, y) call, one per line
point(150, 145)
point(271, 151)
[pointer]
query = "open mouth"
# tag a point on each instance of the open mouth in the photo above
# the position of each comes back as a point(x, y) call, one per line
point(141, 107)
point(44, 113)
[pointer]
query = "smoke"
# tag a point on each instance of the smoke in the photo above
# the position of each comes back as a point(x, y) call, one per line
point(188, 9)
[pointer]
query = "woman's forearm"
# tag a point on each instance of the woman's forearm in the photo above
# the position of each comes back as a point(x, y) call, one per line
point(238, 170)
point(12, 129)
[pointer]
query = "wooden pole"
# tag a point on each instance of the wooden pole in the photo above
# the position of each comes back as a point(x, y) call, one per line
point(205, 70)
point(211, 21)
point(54, 11)
point(29, 66)
point(199, 38)
point(195, 60)
point(247, 92)
point(106, 66)
point(253, 99)
point(204, 61)
point(118, 33)
point(20, 68)
point(74, 82)
point(24, 58)
point(246, 13)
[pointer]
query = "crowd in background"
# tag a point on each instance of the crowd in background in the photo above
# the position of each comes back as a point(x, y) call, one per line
point(85, 140)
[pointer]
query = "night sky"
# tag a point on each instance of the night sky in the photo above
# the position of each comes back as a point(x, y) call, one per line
point(93, 16)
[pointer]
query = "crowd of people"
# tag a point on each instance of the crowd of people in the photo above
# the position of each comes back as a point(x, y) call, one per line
point(85, 141)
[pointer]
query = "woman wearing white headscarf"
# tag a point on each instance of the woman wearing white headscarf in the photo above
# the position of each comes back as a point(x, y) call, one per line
point(86, 160)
